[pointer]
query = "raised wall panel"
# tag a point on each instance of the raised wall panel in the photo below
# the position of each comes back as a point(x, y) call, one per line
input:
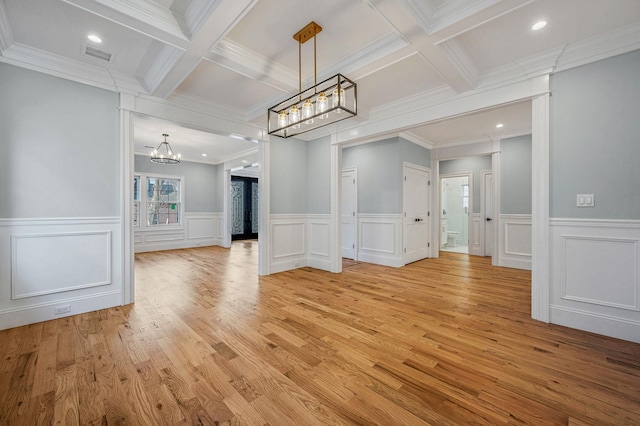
point(319, 239)
point(475, 235)
point(200, 227)
point(595, 276)
point(59, 262)
point(288, 239)
point(380, 239)
point(601, 271)
point(516, 241)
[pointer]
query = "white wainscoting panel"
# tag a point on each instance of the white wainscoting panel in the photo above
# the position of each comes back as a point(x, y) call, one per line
point(515, 242)
point(319, 250)
point(476, 240)
point(198, 230)
point(70, 263)
point(595, 276)
point(380, 239)
point(288, 242)
point(59, 262)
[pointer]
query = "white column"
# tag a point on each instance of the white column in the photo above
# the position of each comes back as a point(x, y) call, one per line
point(264, 222)
point(335, 228)
point(540, 209)
point(127, 104)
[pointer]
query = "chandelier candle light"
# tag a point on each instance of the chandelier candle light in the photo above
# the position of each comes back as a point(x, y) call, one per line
point(327, 102)
point(163, 154)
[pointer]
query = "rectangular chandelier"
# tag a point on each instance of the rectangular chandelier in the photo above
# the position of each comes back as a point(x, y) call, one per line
point(328, 102)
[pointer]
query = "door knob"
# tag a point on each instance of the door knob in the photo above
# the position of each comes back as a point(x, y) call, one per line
point(489, 219)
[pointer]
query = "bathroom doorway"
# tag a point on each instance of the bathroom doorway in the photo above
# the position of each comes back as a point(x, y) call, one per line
point(456, 202)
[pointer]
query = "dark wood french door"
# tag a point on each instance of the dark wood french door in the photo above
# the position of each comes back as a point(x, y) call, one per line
point(244, 208)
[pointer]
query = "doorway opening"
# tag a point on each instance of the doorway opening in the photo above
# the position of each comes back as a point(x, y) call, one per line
point(454, 218)
point(244, 208)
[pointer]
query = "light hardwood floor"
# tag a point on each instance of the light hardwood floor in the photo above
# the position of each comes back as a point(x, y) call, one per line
point(445, 341)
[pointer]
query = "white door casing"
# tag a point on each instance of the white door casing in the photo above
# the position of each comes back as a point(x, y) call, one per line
point(487, 212)
point(349, 213)
point(416, 215)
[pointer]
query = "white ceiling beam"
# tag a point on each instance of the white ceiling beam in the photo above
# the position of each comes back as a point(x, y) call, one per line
point(6, 34)
point(145, 17)
point(211, 32)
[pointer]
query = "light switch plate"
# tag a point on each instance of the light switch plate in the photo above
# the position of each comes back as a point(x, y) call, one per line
point(585, 200)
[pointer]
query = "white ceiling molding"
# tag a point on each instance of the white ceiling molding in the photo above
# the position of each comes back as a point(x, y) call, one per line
point(6, 34)
point(356, 61)
point(48, 63)
point(212, 31)
point(253, 65)
point(197, 14)
point(604, 46)
point(145, 17)
point(461, 61)
point(408, 136)
point(164, 61)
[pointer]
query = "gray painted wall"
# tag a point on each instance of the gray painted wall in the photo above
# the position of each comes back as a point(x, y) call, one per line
point(476, 165)
point(595, 139)
point(515, 175)
point(203, 188)
point(380, 172)
point(319, 176)
point(61, 141)
point(288, 176)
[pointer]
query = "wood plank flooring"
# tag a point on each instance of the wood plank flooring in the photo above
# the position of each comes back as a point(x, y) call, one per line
point(445, 341)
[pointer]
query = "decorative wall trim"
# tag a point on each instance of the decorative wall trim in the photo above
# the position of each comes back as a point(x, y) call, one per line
point(199, 229)
point(595, 276)
point(516, 241)
point(476, 241)
point(288, 242)
point(71, 263)
point(41, 263)
point(380, 239)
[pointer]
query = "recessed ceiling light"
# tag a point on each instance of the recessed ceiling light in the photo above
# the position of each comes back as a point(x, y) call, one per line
point(499, 125)
point(245, 161)
point(539, 25)
point(94, 38)
point(204, 155)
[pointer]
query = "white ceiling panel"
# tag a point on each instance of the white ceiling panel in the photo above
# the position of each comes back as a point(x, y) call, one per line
point(222, 86)
point(189, 143)
point(509, 38)
point(62, 29)
point(480, 126)
point(347, 26)
point(404, 78)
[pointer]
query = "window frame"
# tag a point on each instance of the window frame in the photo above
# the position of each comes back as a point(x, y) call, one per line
point(143, 193)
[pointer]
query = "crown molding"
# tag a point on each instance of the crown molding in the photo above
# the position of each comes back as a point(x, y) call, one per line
point(409, 136)
point(486, 138)
point(197, 14)
point(253, 65)
point(6, 34)
point(202, 105)
point(146, 17)
point(600, 47)
point(461, 60)
point(165, 61)
point(38, 60)
point(378, 49)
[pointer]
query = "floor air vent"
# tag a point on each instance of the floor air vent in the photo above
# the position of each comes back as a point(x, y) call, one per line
point(97, 53)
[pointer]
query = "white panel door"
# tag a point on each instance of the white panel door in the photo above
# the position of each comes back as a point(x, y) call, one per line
point(488, 214)
point(349, 208)
point(416, 213)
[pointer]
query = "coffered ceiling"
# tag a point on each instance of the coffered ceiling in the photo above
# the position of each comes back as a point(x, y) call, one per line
point(238, 57)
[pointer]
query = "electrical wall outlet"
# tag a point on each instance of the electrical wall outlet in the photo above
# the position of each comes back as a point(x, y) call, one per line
point(62, 309)
point(585, 200)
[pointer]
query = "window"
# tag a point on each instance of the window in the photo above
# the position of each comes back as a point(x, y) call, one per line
point(157, 200)
point(163, 201)
point(465, 197)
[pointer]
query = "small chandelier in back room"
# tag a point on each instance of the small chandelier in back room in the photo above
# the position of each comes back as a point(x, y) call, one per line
point(324, 103)
point(163, 154)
